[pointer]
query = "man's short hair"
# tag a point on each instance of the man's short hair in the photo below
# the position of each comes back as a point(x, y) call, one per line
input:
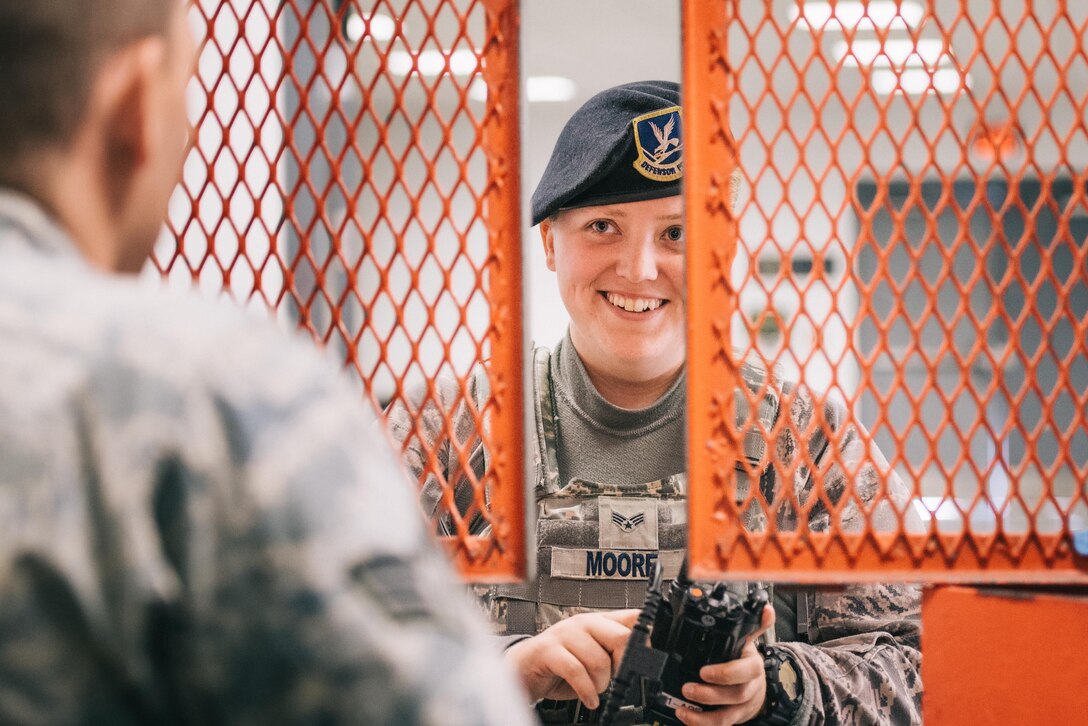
point(50, 51)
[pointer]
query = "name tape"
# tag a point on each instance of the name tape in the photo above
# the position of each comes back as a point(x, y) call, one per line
point(599, 564)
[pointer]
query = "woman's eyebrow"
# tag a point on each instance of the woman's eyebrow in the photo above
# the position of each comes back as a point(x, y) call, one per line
point(616, 211)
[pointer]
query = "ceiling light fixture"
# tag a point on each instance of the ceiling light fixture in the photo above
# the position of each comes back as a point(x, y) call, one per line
point(538, 89)
point(897, 52)
point(430, 63)
point(550, 89)
point(382, 27)
point(916, 81)
point(821, 15)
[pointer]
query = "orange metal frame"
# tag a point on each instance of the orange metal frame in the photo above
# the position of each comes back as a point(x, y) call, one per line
point(324, 235)
point(711, 227)
point(719, 543)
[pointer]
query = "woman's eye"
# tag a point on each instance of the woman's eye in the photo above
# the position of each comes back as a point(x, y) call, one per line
point(600, 225)
point(675, 234)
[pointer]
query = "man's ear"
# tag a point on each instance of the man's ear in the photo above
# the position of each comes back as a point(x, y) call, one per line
point(546, 237)
point(123, 107)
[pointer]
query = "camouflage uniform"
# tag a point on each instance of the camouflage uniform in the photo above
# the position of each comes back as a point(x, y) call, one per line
point(198, 526)
point(857, 646)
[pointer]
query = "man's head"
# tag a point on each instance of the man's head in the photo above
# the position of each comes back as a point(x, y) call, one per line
point(92, 105)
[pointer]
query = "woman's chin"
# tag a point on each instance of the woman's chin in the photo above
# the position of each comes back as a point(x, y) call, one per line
point(648, 363)
point(624, 355)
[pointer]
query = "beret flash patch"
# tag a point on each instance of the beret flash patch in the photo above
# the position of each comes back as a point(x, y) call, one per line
point(659, 144)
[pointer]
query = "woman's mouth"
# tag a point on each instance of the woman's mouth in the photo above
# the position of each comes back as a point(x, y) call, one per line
point(633, 304)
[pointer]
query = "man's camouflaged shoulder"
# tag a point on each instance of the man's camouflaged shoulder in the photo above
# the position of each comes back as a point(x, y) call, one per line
point(195, 511)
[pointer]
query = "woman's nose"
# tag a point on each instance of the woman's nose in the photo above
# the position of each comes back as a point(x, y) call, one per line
point(638, 260)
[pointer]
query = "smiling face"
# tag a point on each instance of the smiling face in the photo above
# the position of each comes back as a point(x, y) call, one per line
point(620, 270)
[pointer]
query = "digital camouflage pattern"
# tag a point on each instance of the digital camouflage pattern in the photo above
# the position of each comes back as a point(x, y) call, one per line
point(858, 645)
point(197, 524)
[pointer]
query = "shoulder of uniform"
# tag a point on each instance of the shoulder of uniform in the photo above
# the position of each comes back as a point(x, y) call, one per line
point(759, 378)
point(181, 340)
point(480, 380)
point(764, 385)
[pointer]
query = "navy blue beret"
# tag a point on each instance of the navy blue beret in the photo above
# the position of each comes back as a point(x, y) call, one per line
point(623, 145)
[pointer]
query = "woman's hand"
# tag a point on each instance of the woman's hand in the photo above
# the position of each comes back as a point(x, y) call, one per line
point(737, 688)
point(574, 658)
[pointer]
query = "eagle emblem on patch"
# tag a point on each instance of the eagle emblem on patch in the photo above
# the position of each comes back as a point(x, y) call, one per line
point(628, 523)
point(660, 145)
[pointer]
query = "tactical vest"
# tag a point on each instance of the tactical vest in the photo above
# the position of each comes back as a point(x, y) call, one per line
point(597, 541)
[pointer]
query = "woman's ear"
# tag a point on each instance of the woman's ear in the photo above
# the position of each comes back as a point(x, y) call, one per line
point(546, 236)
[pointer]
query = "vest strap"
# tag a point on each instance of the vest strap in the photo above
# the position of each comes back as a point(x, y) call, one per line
point(520, 617)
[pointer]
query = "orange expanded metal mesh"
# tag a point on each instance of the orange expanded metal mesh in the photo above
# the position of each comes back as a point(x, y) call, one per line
point(355, 168)
point(910, 245)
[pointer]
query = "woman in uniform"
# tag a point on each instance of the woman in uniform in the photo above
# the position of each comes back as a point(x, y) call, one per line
point(611, 487)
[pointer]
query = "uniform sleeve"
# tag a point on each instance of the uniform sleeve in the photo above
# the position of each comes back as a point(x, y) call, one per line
point(426, 424)
point(861, 664)
point(311, 591)
point(858, 645)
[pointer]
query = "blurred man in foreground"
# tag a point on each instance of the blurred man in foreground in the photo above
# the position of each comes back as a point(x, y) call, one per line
point(196, 525)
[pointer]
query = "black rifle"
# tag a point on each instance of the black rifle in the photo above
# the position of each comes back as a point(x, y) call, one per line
point(694, 626)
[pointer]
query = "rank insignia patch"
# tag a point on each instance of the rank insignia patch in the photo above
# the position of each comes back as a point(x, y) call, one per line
point(628, 523)
point(660, 145)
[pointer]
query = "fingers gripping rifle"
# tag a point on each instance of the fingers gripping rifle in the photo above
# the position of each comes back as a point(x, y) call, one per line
point(674, 637)
point(640, 660)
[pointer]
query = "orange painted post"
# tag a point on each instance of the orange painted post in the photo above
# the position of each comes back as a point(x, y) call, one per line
point(999, 656)
point(503, 556)
point(711, 228)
